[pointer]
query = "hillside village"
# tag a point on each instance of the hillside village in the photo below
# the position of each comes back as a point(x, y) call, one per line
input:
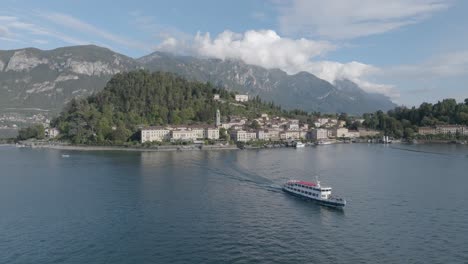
point(267, 128)
point(264, 128)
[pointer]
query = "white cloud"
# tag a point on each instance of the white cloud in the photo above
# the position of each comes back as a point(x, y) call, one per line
point(267, 49)
point(339, 19)
point(264, 48)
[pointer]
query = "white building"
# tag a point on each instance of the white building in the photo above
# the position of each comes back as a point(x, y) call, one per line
point(353, 134)
point(450, 129)
point(291, 135)
point(243, 136)
point(51, 132)
point(340, 132)
point(318, 134)
point(211, 133)
point(183, 134)
point(293, 125)
point(216, 97)
point(178, 133)
point(322, 121)
point(155, 134)
point(242, 98)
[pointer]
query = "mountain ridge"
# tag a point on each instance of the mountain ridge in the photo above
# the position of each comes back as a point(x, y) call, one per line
point(48, 79)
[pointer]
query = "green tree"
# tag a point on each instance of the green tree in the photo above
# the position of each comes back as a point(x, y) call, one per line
point(35, 131)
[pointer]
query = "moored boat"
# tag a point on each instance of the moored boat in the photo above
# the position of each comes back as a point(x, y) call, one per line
point(323, 142)
point(314, 191)
point(299, 144)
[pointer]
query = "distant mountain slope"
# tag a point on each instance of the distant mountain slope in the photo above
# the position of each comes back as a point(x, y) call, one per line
point(302, 90)
point(32, 78)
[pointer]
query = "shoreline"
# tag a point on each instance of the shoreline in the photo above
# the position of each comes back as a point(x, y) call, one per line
point(133, 149)
point(182, 148)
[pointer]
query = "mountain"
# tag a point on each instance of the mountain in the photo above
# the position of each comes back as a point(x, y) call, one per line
point(32, 78)
point(302, 90)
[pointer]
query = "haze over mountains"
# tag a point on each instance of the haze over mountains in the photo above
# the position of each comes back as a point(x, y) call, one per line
point(32, 78)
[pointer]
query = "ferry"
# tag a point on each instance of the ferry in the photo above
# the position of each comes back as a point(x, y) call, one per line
point(299, 144)
point(314, 191)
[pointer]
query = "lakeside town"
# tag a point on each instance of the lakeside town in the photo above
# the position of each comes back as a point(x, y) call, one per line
point(267, 129)
point(272, 129)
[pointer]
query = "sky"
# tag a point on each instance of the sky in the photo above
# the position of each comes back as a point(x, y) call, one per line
point(413, 51)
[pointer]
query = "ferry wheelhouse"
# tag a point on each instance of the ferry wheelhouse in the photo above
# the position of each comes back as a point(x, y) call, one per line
point(314, 191)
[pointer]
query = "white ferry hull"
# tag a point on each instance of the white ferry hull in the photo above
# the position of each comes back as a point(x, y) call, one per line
point(320, 201)
point(315, 192)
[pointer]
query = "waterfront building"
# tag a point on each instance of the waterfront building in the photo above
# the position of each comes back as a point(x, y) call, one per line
point(198, 132)
point(449, 129)
point(241, 98)
point(51, 132)
point(443, 129)
point(318, 134)
point(243, 136)
point(189, 133)
point(183, 134)
point(427, 131)
point(211, 133)
point(340, 132)
point(151, 134)
point(353, 134)
point(262, 135)
point(284, 135)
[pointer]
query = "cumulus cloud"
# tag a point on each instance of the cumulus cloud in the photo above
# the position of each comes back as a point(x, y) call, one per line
point(264, 48)
point(267, 49)
point(339, 19)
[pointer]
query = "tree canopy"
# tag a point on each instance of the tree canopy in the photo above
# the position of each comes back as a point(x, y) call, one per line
point(403, 121)
point(135, 99)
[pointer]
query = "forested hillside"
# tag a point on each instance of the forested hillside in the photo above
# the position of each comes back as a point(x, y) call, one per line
point(403, 122)
point(135, 99)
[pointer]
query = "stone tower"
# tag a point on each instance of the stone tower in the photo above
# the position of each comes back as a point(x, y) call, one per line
point(218, 118)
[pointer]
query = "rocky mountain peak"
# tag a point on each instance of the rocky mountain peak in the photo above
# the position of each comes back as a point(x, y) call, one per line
point(49, 79)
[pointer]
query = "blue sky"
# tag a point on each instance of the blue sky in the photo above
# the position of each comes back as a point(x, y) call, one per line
point(411, 50)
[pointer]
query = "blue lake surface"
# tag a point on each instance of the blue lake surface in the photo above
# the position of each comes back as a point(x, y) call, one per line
point(406, 204)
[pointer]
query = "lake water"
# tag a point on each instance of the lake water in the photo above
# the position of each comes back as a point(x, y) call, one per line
point(406, 204)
